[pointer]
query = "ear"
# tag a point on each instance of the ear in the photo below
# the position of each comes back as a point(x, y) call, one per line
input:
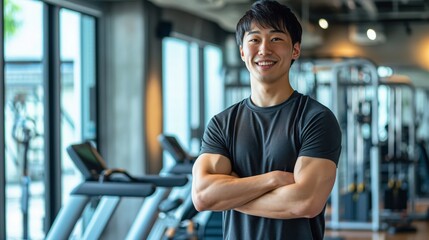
point(296, 52)
point(241, 53)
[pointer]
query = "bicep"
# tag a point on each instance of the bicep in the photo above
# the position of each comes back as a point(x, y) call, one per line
point(208, 163)
point(207, 169)
point(316, 176)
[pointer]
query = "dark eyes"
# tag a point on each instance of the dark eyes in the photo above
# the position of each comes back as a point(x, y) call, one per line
point(255, 40)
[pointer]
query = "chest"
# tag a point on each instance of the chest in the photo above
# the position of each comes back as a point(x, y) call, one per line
point(264, 142)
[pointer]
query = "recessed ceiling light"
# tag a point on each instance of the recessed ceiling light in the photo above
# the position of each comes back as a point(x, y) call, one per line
point(323, 23)
point(371, 34)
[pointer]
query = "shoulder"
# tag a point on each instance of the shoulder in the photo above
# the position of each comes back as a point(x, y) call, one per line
point(230, 112)
point(311, 107)
point(223, 122)
point(311, 102)
point(217, 134)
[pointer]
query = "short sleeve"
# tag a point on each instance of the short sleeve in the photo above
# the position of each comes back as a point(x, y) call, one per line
point(214, 138)
point(321, 137)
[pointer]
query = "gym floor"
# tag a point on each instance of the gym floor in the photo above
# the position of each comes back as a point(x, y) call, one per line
point(422, 232)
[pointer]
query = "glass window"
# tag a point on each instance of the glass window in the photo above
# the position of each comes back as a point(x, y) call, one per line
point(175, 90)
point(77, 55)
point(213, 81)
point(24, 108)
point(24, 116)
point(195, 103)
point(78, 114)
point(184, 74)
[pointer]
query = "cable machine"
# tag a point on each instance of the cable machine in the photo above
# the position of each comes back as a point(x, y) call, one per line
point(398, 147)
point(422, 143)
point(348, 86)
point(355, 198)
point(351, 88)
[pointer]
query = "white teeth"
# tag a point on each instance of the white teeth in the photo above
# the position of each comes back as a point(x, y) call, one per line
point(265, 63)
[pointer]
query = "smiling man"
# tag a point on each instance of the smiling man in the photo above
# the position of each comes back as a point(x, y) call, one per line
point(269, 162)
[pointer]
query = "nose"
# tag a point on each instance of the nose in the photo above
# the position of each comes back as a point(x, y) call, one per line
point(265, 48)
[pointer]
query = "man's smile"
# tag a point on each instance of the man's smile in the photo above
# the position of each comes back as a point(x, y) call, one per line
point(265, 64)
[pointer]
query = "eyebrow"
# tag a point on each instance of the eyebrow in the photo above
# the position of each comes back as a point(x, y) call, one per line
point(272, 31)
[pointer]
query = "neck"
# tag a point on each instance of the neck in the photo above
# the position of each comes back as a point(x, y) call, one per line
point(266, 96)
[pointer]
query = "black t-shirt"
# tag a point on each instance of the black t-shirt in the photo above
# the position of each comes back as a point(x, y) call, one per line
point(259, 140)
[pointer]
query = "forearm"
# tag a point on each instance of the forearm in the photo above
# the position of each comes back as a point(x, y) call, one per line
point(286, 202)
point(216, 187)
point(222, 192)
point(306, 197)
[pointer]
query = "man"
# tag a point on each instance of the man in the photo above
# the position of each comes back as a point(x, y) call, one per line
point(269, 161)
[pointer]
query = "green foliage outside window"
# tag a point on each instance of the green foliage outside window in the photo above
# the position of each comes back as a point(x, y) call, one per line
point(11, 24)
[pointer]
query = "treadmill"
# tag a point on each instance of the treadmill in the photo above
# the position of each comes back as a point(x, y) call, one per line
point(109, 184)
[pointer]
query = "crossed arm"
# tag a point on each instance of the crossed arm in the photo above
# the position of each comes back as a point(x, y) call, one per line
point(275, 194)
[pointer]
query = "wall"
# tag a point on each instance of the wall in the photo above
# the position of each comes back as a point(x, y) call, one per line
point(123, 59)
point(124, 86)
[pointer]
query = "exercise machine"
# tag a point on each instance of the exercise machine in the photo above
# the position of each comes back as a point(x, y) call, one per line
point(178, 218)
point(110, 185)
point(348, 86)
point(176, 212)
point(398, 159)
point(351, 88)
point(165, 200)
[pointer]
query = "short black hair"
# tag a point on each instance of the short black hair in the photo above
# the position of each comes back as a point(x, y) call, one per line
point(269, 14)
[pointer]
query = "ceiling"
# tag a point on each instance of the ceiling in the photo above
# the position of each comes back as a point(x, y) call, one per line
point(227, 12)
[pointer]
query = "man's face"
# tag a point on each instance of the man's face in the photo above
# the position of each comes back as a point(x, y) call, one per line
point(268, 52)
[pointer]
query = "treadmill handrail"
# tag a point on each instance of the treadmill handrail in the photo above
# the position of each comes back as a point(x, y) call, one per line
point(158, 180)
point(120, 189)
